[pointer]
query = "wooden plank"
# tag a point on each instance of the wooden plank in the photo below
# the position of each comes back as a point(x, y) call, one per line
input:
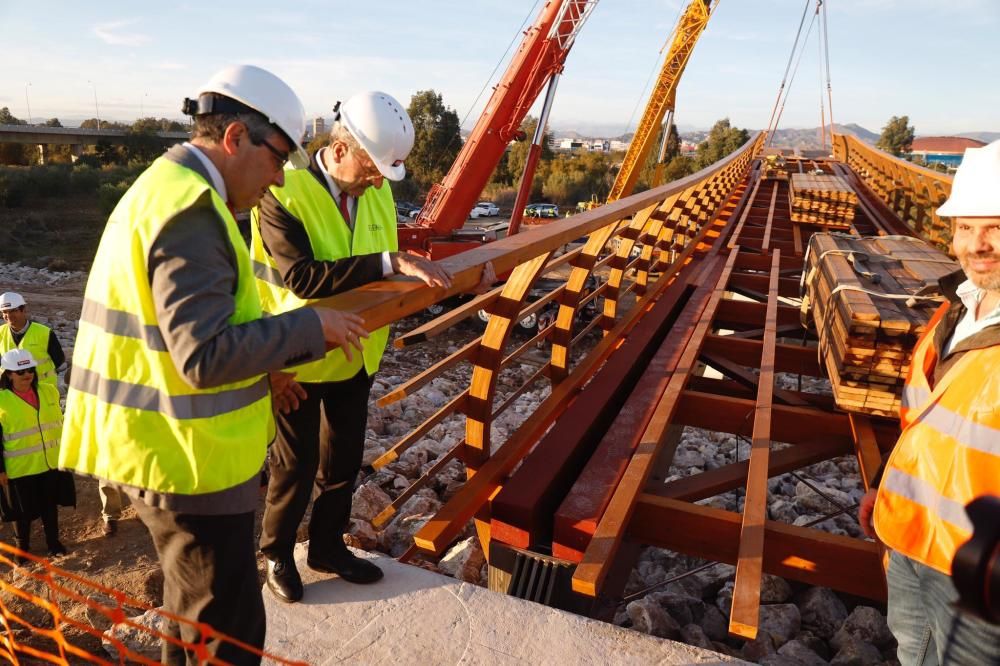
point(415, 383)
point(804, 554)
point(734, 240)
point(450, 520)
point(749, 379)
point(770, 220)
point(593, 570)
point(522, 512)
point(745, 615)
point(734, 475)
point(381, 303)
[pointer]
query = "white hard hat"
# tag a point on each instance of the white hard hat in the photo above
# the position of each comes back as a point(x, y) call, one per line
point(17, 359)
point(11, 301)
point(975, 192)
point(265, 93)
point(382, 127)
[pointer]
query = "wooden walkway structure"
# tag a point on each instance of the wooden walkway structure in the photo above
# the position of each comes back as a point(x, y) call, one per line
point(702, 273)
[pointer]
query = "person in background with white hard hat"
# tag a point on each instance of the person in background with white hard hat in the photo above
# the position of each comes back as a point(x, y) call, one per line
point(175, 368)
point(329, 229)
point(949, 451)
point(30, 426)
point(19, 332)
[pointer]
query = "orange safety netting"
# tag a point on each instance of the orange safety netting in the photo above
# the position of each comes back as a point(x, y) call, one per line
point(63, 587)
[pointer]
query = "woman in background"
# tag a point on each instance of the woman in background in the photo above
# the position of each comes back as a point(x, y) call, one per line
point(30, 428)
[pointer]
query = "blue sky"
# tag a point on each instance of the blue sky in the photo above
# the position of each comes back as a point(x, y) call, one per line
point(935, 60)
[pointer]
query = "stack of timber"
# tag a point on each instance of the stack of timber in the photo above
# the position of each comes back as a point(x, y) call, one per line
point(859, 292)
point(822, 199)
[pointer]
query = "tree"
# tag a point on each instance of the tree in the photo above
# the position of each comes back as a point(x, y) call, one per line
point(6, 118)
point(91, 123)
point(722, 140)
point(645, 180)
point(517, 156)
point(897, 136)
point(13, 153)
point(437, 138)
point(52, 122)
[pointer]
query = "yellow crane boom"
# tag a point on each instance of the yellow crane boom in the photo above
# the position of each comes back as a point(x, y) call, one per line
point(692, 23)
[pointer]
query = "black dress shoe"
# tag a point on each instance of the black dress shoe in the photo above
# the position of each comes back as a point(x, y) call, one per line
point(56, 549)
point(345, 564)
point(284, 581)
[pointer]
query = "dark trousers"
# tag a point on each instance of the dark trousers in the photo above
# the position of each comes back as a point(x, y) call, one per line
point(317, 453)
point(209, 575)
point(50, 523)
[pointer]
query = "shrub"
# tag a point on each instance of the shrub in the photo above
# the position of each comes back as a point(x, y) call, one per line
point(108, 195)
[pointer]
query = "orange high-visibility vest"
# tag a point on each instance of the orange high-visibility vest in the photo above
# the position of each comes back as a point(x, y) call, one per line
point(947, 455)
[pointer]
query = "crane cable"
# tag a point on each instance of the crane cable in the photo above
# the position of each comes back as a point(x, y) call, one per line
point(444, 151)
point(788, 65)
point(829, 89)
point(777, 120)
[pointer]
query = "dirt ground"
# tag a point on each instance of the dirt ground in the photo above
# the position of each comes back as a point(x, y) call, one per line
point(127, 561)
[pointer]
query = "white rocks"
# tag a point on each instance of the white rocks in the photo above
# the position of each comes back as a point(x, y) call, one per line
point(464, 560)
point(822, 611)
point(368, 502)
point(141, 641)
point(648, 617)
point(361, 535)
point(781, 621)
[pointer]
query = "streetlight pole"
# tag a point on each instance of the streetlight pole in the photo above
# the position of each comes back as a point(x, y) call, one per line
point(27, 101)
point(97, 111)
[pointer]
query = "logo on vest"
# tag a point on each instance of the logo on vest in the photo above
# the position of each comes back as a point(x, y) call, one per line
point(374, 228)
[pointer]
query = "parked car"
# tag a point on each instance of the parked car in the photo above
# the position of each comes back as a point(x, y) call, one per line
point(541, 210)
point(479, 210)
point(536, 321)
point(404, 208)
point(492, 210)
point(413, 213)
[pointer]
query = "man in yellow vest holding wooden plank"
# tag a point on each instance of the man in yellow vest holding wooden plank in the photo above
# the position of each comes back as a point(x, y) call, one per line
point(949, 450)
point(19, 332)
point(329, 229)
point(174, 366)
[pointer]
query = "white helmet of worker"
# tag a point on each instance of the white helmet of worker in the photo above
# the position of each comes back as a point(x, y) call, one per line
point(10, 301)
point(17, 359)
point(975, 192)
point(265, 93)
point(382, 127)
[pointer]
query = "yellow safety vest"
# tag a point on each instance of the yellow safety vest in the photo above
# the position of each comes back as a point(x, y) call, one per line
point(30, 436)
point(35, 340)
point(947, 455)
point(131, 417)
point(330, 238)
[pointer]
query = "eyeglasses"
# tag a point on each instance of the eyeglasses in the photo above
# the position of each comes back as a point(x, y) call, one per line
point(282, 158)
point(23, 372)
point(371, 171)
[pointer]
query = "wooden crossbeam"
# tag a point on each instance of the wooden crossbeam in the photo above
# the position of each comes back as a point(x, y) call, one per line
point(745, 615)
point(734, 239)
point(749, 379)
point(804, 554)
point(442, 529)
point(734, 475)
point(591, 573)
point(766, 245)
point(789, 358)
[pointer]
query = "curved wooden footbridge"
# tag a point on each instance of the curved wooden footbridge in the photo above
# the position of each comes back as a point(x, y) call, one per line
point(700, 273)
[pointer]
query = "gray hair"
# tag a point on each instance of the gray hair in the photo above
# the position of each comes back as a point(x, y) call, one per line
point(339, 132)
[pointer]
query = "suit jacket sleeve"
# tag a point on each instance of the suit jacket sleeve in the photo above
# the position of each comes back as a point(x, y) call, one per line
point(286, 240)
point(193, 275)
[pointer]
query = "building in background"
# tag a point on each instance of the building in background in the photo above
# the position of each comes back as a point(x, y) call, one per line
point(947, 150)
point(318, 127)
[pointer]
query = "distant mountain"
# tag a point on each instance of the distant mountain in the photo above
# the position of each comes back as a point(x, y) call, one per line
point(985, 137)
point(809, 139)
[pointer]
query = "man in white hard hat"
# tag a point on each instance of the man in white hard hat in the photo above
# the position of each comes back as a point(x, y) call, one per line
point(20, 332)
point(949, 451)
point(174, 367)
point(331, 228)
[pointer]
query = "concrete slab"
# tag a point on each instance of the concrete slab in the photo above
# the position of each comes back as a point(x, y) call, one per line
point(414, 616)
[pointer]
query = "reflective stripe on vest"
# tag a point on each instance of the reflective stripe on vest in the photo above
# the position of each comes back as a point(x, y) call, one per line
point(35, 340)
point(131, 416)
point(947, 455)
point(30, 436)
point(330, 238)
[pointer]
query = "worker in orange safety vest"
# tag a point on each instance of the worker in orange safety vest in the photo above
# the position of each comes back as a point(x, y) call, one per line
point(949, 451)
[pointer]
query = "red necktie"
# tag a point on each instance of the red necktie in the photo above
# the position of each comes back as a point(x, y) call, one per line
point(343, 208)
